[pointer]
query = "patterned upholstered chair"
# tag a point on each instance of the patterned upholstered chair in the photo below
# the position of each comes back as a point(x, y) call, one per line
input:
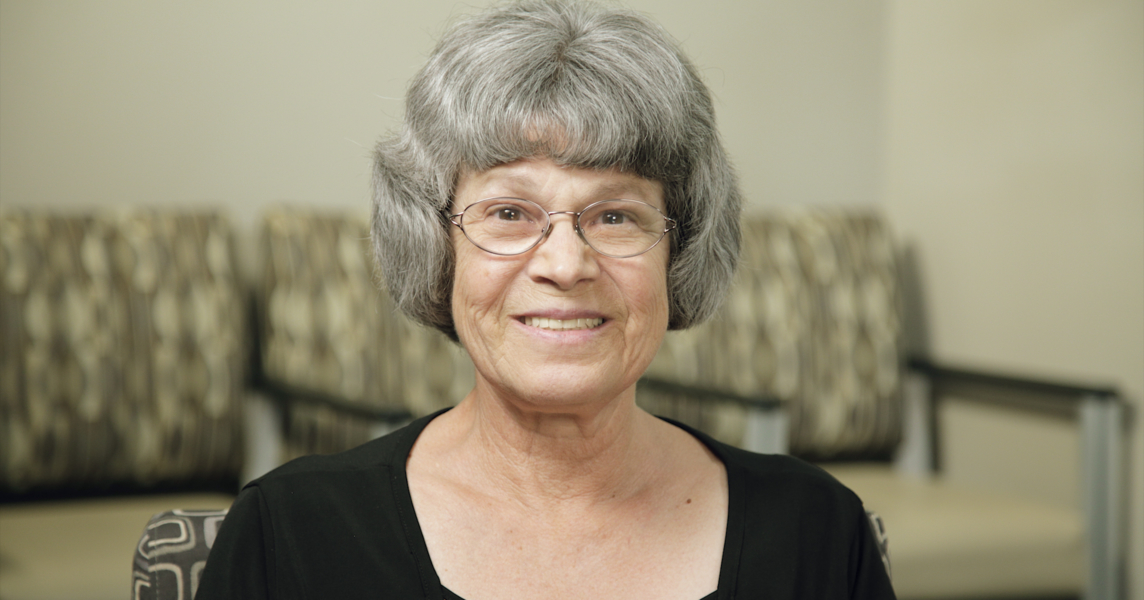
point(172, 553)
point(122, 369)
point(812, 320)
point(344, 365)
point(123, 349)
point(813, 327)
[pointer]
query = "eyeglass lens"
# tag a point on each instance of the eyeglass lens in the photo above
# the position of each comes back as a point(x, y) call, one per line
point(617, 228)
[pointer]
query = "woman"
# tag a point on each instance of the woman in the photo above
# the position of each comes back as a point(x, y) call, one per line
point(557, 200)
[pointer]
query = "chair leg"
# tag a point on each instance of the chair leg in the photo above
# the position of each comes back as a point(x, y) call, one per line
point(915, 455)
point(1101, 420)
point(265, 442)
point(766, 431)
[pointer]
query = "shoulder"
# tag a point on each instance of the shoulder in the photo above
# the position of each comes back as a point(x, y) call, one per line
point(327, 526)
point(785, 492)
point(810, 530)
point(800, 519)
point(781, 476)
point(777, 476)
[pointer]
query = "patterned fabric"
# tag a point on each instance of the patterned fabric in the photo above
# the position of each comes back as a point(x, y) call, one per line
point(813, 319)
point(172, 553)
point(121, 349)
point(878, 528)
point(328, 328)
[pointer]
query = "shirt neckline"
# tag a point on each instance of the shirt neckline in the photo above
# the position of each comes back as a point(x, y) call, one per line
point(431, 582)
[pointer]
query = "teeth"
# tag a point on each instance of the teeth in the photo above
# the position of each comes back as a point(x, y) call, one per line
point(559, 325)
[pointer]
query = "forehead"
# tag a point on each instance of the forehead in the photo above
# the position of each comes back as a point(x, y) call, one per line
point(542, 180)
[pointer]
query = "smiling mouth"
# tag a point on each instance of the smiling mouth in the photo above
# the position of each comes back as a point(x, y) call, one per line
point(562, 325)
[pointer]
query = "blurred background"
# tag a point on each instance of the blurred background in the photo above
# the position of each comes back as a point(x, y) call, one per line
point(1003, 142)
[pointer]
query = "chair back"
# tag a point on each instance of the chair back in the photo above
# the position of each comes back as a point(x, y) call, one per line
point(813, 318)
point(329, 329)
point(122, 350)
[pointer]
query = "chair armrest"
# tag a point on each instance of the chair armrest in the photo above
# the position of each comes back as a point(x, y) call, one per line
point(1048, 397)
point(761, 403)
point(284, 395)
point(1102, 416)
point(767, 422)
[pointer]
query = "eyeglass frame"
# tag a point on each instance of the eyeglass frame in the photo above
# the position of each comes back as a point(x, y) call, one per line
point(457, 219)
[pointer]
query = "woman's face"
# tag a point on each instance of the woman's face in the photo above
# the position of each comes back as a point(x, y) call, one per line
point(500, 303)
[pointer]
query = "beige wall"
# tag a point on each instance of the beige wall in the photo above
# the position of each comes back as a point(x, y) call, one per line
point(230, 104)
point(1004, 140)
point(798, 89)
point(240, 105)
point(1015, 168)
point(243, 104)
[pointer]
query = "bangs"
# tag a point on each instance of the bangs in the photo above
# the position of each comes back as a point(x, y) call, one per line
point(575, 125)
point(581, 94)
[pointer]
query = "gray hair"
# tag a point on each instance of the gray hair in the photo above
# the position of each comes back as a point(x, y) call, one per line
point(582, 85)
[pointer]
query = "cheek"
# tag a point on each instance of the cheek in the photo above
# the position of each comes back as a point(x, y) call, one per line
point(463, 290)
point(650, 283)
point(478, 286)
point(659, 281)
point(661, 304)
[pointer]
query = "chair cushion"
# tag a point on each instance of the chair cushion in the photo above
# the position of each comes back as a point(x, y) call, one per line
point(951, 542)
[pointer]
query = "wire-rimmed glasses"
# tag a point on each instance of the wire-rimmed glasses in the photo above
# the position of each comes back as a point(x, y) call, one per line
point(615, 228)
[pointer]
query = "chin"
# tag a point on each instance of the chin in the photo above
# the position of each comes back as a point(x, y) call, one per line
point(557, 387)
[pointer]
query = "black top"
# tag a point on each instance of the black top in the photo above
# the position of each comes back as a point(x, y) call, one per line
point(343, 526)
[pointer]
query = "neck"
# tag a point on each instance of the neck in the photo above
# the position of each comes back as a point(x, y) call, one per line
point(588, 454)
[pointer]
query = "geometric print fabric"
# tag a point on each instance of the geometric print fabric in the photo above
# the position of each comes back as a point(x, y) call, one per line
point(327, 327)
point(122, 349)
point(170, 556)
point(812, 319)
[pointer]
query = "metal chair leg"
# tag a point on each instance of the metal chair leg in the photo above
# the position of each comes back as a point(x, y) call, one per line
point(1101, 420)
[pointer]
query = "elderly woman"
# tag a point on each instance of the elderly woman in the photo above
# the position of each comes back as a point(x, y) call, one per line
point(556, 201)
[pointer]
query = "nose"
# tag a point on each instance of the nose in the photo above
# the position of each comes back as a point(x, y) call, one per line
point(563, 258)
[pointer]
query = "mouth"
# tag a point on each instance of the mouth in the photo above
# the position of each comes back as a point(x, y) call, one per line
point(562, 324)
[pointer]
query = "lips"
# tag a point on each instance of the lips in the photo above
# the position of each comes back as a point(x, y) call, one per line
point(562, 324)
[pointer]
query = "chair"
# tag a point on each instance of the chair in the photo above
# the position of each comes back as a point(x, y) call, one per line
point(170, 556)
point(806, 356)
point(122, 379)
point(122, 350)
point(332, 352)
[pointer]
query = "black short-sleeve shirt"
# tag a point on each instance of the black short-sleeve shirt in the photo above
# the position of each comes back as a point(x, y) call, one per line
point(343, 526)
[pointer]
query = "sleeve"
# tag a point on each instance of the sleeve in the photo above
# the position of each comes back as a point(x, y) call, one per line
point(241, 561)
point(870, 576)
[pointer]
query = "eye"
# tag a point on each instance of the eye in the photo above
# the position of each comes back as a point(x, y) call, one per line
point(508, 213)
point(614, 217)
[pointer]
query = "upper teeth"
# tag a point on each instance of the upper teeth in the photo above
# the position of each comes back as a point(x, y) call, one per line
point(559, 325)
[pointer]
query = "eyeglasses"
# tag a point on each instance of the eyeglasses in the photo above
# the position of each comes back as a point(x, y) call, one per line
point(614, 228)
